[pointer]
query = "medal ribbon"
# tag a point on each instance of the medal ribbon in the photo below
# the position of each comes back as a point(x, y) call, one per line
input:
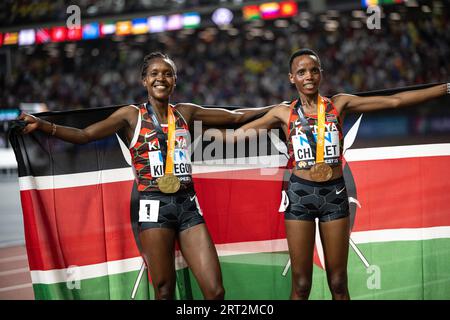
point(320, 130)
point(319, 141)
point(167, 150)
point(170, 141)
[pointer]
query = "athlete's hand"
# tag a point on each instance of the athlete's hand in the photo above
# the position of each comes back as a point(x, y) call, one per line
point(33, 123)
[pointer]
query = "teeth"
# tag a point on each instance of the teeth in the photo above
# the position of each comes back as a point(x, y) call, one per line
point(309, 86)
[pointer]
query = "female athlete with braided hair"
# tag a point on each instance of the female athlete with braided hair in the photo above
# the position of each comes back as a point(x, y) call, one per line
point(161, 162)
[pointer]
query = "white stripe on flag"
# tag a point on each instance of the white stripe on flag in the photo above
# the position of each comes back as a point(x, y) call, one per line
point(398, 152)
point(86, 272)
point(412, 234)
point(230, 249)
point(76, 179)
point(222, 165)
point(238, 248)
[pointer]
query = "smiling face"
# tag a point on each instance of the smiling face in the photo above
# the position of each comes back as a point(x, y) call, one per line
point(306, 74)
point(160, 79)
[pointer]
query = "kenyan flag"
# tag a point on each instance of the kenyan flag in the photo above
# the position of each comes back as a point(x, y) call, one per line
point(80, 219)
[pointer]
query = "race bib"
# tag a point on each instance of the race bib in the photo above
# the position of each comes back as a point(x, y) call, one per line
point(156, 163)
point(303, 151)
point(302, 148)
point(148, 210)
point(182, 163)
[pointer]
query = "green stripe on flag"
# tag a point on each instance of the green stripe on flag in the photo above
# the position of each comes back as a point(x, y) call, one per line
point(115, 287)
point(408, 270)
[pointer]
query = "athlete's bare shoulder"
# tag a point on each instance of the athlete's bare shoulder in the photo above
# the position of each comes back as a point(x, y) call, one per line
point(281, 111)
point(285, 105)
point(186, 110)
point(128, 113)
point(186, 105)
point(129, 110)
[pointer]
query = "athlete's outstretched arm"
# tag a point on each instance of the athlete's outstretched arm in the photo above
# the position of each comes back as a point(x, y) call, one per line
point(98, 130)
point(351, 103)
point(272, 119)
point(219, 116)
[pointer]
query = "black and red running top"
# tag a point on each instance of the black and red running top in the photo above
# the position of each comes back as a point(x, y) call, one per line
point(147, 156)
point(301, 151)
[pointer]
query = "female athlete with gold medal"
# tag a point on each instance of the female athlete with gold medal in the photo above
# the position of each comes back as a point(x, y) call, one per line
point(316, 188)
point(168, 206)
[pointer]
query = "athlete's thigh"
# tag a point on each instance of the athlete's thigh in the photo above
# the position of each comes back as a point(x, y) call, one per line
point(158, 246)
point(200, 254)
point(335, 236)
point(300, 236)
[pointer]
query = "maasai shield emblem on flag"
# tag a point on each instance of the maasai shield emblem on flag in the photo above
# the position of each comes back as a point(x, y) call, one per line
point(80, 225)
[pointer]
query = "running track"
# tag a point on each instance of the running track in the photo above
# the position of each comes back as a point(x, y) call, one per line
point(15, 279)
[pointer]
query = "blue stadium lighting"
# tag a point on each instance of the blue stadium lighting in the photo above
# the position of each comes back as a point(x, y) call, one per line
point(91, 31)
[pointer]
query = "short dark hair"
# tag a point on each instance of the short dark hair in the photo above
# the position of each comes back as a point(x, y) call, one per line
point(302, 52)
point(156, 55)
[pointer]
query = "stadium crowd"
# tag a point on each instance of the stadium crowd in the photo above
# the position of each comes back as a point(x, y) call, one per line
point(247, 66)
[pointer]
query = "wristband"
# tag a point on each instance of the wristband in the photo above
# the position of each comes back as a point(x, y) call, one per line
point(53, 129)
point(448, 87)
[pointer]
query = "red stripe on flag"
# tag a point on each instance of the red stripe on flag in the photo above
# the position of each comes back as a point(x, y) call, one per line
point(241, 210)
point(91, 225)
point(402, 193)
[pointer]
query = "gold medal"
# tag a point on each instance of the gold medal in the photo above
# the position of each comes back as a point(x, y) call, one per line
point(321, 172)
point(169, 183)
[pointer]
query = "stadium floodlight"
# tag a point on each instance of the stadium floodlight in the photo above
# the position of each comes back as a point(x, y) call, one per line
point(157, 24)
point(175, 22)
point(107, 28)
point(91, 31)
point(222, 16)
point(27, 37)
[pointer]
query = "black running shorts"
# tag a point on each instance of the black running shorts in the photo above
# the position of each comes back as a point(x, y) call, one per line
point(308, 200)
point(178, 211)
